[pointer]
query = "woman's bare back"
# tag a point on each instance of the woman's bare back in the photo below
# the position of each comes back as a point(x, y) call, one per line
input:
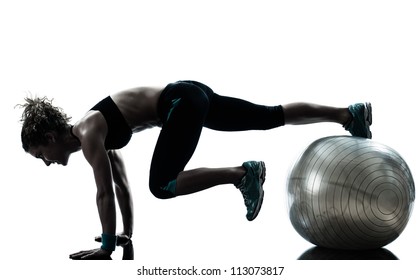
point(139, 106)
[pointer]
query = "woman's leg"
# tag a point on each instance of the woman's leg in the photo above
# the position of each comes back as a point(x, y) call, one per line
point(248, 178)
point(356, 118)
point(185, 110)
point(307, 113)
point(186, 106)
point(199, 179)
point(232, 114)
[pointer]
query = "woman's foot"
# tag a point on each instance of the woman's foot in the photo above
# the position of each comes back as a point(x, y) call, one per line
point(251, 187)
point(361, 120)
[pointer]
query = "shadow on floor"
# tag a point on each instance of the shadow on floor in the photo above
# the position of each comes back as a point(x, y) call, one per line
point(319, 253)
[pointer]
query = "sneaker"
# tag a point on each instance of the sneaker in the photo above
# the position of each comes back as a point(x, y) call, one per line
point(361, 120)
point(251, 187)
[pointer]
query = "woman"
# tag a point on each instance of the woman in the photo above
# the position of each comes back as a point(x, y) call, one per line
point(181, 109)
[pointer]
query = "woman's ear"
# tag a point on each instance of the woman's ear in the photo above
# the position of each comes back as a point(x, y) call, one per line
point(51, 137)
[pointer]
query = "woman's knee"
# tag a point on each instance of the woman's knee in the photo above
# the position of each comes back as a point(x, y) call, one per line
point(163, 192)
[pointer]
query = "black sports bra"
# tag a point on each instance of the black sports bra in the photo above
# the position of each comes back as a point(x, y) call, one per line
point(119, 132)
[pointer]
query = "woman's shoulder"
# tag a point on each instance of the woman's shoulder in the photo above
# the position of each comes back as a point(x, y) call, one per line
point(92, 124)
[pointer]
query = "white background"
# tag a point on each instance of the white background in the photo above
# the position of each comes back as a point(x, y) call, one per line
point(268, 52)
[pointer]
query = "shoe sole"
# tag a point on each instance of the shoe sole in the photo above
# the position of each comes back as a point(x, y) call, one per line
point(368, 118)
point(260, 200)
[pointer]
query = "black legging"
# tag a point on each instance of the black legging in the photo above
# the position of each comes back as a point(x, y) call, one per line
point(184, 108)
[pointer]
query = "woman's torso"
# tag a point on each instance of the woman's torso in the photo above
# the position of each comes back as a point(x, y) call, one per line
point(139, 106)
point(119, 115)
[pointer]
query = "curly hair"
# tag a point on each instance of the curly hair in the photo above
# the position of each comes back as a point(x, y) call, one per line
point(39, 117)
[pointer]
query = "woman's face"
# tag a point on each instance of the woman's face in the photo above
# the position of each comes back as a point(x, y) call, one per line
point(52, 152)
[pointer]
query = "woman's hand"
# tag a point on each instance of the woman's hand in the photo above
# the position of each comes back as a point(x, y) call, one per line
point(94, 254)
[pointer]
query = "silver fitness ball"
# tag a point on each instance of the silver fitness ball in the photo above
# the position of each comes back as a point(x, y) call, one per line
point(350, 193)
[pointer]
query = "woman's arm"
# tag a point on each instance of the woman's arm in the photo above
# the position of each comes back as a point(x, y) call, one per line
point(97, 157)
point(92, 131)
point(93, 137)
point(122, 190)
